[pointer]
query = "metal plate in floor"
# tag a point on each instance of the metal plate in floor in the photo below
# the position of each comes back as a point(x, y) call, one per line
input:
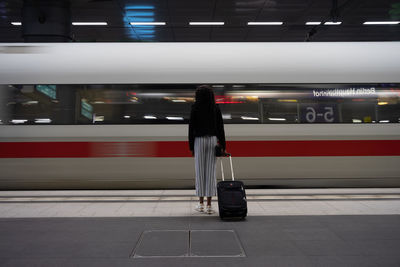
point(185, 243)
point(215, 243)
point(163, 243)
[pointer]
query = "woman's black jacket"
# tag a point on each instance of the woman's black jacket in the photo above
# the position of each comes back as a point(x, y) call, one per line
point(205, 122)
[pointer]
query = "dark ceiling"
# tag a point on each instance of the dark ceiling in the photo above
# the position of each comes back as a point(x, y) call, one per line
point(235, 14)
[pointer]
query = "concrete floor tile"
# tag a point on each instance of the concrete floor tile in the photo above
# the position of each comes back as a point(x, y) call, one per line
point(5, 207)
point(383, 205)
point(312, 207)
point(276, 240)
point(270, 248)
point(278, 207)
point(343, 261)
point(388, 221)
point(9, 249)
point(384, 260)
point(350, 207)
point(127, 209)
point(368, 233)
point(378, 247)
point(144, 209)
point(311, 234)
point(77, 249)
point(328, 248)
point(37, 263)
point(256, 208)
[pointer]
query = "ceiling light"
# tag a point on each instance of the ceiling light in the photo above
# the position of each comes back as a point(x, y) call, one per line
point(175, 118)
point(265, 23)
point(18, 121)
point(206, 23)
point(249, 118)
point(381, 22)
point(333, 23)
point(89, 23)
point(277, 119)
point(16, 23)
point(384, 121)
point(146, 23)
point(30, 103)
point(150, 117)
point(218, 86)
point(178, 100)
point(226, 116)
point(127, 117)
point(42, 120)
point(357, 121)
point(313, 23)
point(382, 103)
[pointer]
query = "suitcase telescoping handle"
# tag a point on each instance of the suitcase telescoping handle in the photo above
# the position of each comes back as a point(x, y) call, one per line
point(222, 168)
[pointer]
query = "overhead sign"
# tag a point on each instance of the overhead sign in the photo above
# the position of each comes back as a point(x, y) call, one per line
point(86, 109)
point(345, 92)
point(49, 90)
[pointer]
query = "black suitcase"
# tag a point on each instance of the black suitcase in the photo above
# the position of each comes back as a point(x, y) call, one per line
point(232, 200)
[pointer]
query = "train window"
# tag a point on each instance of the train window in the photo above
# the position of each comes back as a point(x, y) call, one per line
point(46, 104)
point(280, 110)
point(358, 110)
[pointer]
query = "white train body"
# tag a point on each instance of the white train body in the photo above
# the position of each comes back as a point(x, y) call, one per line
point(123, 169)
point(157, 156)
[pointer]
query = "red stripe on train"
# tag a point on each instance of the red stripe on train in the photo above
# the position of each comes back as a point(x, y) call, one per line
point(309, 148)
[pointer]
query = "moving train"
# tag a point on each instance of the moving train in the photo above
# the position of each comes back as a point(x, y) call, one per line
point(320, 147)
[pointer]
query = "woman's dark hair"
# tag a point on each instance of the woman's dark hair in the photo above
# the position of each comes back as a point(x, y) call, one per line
point(205, 97)
point(205, 103)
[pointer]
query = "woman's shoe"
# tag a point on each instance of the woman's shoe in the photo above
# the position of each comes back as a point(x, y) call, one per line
point(209, 209)
point(200, 207)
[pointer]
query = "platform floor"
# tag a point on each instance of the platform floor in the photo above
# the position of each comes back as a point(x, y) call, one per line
point(149, 203)
point(292, 227)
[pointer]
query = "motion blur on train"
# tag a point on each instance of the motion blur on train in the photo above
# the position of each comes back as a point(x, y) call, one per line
point(134, 135)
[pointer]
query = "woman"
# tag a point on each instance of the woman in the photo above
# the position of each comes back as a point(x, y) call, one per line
point(206, 128)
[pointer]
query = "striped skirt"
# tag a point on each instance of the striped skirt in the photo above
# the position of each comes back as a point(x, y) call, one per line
point(204, 156)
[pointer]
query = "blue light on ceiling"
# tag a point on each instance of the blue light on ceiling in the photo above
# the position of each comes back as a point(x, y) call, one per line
point(140, 7)
point(140, 13)
point(141, 19)
point(144, 31)
point(147, 36)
